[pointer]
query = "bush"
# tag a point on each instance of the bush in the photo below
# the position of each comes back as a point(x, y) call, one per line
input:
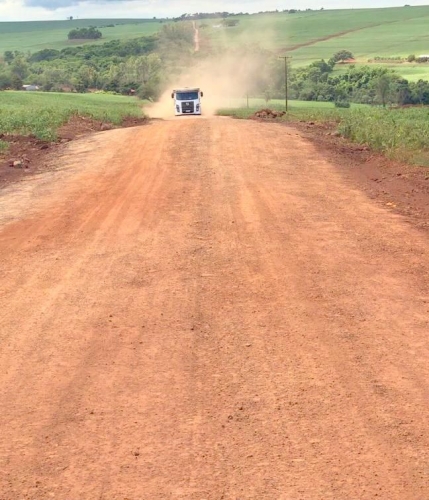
point(342, 104)
point(85, 34)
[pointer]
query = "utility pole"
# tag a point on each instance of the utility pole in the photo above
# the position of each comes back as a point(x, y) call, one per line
point(286, 58)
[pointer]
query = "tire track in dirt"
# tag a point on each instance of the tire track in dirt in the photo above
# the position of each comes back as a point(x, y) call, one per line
point(210, 310)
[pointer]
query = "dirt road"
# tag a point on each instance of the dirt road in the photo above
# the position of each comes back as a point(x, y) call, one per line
point(206, 310)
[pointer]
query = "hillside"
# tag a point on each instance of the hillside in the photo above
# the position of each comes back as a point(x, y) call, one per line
point(38, 35)
point(311, 35)
point(305, 36)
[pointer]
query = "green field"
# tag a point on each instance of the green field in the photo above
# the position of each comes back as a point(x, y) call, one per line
point(41, 114)
point(37, 35)
point(366, 32)
point(279, 104)
point(306, 36)
point(312, 35)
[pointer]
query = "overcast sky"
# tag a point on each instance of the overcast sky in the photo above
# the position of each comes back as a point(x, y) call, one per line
point(24, 10)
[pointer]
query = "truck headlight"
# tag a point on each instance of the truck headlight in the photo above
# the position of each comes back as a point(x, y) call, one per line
point(198, 107)
point(177, 108)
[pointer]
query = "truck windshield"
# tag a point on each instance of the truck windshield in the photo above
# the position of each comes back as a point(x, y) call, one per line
point(186, 96)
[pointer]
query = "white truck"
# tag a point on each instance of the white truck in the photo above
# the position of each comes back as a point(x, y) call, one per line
point(187, 101)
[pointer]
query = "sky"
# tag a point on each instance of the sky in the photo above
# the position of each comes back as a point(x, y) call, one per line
point(26, 10)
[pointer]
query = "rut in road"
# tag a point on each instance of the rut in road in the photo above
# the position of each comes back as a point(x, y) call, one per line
point(208, 309)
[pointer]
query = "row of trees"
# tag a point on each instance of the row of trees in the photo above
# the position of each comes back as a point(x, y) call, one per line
point(143, 64)
point(91, 33)
point(147, 64)
point(361, 84)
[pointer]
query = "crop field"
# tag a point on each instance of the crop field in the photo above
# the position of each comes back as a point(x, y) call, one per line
point(38, 35)
point(312, 35)
point(306, 36)
point(41, 114)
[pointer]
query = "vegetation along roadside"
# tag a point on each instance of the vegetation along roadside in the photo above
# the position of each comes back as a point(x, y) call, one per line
point(399, 133)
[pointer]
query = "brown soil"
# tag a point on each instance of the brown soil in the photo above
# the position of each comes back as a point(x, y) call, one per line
point(210, 309)
point(400, 187)
point(37, 155)
point(269, 114)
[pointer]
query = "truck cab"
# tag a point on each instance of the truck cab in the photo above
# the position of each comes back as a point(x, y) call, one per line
point(187, 101)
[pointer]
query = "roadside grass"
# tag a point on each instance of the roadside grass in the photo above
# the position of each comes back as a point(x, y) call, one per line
point(297, 110)
point(41, 114)
point(400, 134)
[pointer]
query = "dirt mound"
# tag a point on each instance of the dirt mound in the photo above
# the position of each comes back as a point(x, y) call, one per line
point(268, 114)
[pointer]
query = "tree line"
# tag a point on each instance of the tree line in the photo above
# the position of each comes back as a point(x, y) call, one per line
point(147, 64)
point(142, 64)
point(91, 33)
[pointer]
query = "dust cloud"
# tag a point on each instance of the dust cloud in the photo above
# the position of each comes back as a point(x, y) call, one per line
point(225, 78)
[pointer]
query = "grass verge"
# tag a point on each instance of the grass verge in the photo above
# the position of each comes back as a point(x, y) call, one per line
point(41, 114)
point(400, 134)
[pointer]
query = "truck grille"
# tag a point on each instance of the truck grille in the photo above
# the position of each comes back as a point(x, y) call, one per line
point(187, 107)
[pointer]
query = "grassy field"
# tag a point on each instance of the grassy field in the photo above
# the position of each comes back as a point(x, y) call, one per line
point(401, 134)
point(33, 36)
point(312, 35)
point(306, 110)
point(306, 36)
point(41, 114)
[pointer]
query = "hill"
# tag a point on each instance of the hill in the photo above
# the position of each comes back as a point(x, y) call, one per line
point(37, 35)
point(305, 35)
point(311, 35)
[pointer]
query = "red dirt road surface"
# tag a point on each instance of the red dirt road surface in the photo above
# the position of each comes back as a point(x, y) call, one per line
point(206, 310)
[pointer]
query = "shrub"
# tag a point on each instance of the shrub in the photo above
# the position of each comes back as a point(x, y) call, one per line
point(342, 104)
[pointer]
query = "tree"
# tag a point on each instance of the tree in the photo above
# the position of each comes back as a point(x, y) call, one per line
point(44, 55)
point(411, 58)
point(19, 67)
point(90, 33)
point(5, 81)
point(382, 87)
point(403, 93)
point(341, 56)
point(419, 92)
point(16, 82)
point(322, 65)
point(267, 95)
point(142, 72)
point(8, 56)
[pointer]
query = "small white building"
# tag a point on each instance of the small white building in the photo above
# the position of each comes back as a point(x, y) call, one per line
point(30, 87)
